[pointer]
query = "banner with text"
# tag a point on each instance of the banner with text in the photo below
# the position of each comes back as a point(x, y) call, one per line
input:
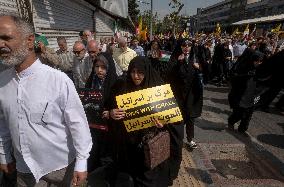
point(144, 106)
point(92, 101)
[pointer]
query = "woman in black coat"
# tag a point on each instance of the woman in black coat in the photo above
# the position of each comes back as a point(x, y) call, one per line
point(186, 82)
point(128, 152)
point(102, 78)
point(243, 89)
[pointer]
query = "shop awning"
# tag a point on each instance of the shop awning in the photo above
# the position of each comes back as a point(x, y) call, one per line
point(261, 19)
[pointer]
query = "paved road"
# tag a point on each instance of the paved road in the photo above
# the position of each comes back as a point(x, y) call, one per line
point(227, 158)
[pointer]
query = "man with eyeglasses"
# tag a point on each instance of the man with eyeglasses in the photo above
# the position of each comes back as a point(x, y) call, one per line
point(82, 65)
point(94, 49)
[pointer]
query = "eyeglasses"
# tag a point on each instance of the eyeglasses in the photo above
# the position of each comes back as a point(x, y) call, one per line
point(78, 52)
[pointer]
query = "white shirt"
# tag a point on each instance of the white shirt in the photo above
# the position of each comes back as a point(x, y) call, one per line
point(82, 70)
point(42, 118)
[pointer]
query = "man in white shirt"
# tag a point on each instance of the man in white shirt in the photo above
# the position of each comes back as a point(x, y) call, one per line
point(42, 121)
point(83, 64)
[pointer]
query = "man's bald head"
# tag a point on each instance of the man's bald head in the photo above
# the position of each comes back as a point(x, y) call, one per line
point(79, 50)
point(93, 48)
point(122, 42)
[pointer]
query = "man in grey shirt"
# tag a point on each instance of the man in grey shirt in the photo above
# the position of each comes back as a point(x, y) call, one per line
point(42, 121)
point(82, 66)
point(65, 56)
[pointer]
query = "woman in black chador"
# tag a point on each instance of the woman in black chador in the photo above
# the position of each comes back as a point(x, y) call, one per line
point(185, 77)
point(101, 79)
point(243, 89)
point(128, 153)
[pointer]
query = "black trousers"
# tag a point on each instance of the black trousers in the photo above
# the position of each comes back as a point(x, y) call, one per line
point(241, 114)
point(100, 152)
point(280, 102)
point(176, 134)
point(189, 128)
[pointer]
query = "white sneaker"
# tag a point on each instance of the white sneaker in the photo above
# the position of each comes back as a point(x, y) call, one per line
point(192, 145)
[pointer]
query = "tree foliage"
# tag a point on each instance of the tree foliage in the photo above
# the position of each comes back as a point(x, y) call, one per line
point(133, 11)
point(172, 21)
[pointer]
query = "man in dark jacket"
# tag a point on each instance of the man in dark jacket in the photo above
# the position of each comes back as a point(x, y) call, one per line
point(242, 94)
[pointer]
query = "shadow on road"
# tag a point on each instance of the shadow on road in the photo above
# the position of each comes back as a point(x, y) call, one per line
point(265, 157)
point(281, 125)
point(221, 101)
point(233, 168)
point(272, 139)
point(209, 125)
point(202, 175)
point(218, 89)
point(216, 110)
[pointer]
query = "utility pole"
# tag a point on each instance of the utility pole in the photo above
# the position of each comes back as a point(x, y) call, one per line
point(151, 17)
point(151, 22)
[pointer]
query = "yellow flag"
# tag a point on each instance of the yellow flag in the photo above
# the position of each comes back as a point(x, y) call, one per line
point(277, 29)
point(185, 34)
point(246, 31)
point(140, 25)
point(236, 31)
point(144, 34)
point(218, 29)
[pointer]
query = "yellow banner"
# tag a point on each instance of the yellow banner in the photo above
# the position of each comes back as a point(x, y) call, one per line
point(142, 97)
point(144, 106)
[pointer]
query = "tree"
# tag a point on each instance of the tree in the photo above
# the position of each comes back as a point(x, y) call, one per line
point(133, 11)
point(146, 18)
point(176, 20)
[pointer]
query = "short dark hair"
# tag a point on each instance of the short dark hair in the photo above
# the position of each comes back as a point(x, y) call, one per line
point(61, 38)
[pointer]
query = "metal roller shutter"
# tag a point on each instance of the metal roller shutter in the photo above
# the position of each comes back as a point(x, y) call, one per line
point(8, 6)
point(62, 18)
point(104, 24)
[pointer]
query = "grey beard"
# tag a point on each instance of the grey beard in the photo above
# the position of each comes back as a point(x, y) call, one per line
point(17, 57)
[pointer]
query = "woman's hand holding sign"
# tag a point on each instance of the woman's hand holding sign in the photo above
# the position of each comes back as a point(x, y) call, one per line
point(117, 114)
point(105, 114)
point(158, 123)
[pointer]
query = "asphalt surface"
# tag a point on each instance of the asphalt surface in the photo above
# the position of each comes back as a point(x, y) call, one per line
point(228, 158)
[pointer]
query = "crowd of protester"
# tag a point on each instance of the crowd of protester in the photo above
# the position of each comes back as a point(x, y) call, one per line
point(250, 66)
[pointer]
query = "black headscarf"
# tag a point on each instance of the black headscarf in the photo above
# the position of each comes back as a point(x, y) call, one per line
point(178, 49)
point(151, 77)
point(245, 62)
point(110, 78)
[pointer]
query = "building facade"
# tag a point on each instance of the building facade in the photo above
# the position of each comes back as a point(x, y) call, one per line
point(208, 17)
point(67, 18)
point(230, 11)
point(263, 8)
